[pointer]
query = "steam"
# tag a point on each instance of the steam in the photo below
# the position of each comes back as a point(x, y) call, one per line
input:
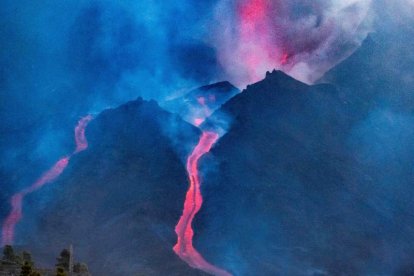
point(302, 38)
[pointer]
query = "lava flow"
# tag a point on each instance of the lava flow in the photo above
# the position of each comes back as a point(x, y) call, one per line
point(49, 176)
point(193, 201)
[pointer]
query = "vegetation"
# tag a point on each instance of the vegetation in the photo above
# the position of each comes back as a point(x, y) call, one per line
point(80, 268)
point(23, 265)
point(27, 258)
point(27, 270)
point(8, 254)
point(64, 259)
point(60, 271)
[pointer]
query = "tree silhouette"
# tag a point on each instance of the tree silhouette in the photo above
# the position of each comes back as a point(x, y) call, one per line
point(27, 257)
point(26, 269)
point(8, 254)
point(80, 268)
point(60, 271)
point(64, 259)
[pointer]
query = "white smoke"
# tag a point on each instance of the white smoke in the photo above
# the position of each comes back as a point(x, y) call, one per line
point(315, 35)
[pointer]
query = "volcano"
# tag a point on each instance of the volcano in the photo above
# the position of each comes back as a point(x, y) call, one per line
point(119, 200)
point(314, 180)
point(304, 180)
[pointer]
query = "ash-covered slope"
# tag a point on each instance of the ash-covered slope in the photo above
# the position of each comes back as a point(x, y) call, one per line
point(201, 102)
point(118, 201)
point(310, 180)
point(380, 73)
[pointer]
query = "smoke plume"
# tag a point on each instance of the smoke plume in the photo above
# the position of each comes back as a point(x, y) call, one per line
point(302, 38)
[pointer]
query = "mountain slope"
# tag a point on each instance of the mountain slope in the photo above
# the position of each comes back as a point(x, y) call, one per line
point(380, 72)
point(308, 181)
point(118, 201)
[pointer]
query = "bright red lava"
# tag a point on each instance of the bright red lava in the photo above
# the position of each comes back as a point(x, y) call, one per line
point(193, 201)
point(49, 176)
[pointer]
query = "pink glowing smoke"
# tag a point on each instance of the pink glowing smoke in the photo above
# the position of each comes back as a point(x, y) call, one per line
point(302, 38)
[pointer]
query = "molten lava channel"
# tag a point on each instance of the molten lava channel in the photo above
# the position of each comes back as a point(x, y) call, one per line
point(193, 201)
point(16, 202)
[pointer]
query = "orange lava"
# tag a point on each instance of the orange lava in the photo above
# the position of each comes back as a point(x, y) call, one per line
point(193, 201)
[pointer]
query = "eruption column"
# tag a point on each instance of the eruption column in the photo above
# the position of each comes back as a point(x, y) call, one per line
point(255, 38)
point(49, 176)
point(193, 201)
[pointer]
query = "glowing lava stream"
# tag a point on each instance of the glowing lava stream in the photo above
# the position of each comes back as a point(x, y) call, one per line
point(16, 201)
point(193, 201)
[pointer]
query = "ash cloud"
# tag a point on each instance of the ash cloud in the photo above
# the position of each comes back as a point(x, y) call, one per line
point(79, 57)
point(302, 38)
point(83, 56)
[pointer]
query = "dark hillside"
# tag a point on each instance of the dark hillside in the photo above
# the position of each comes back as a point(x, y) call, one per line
point(119, 200)
point(310, 180)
